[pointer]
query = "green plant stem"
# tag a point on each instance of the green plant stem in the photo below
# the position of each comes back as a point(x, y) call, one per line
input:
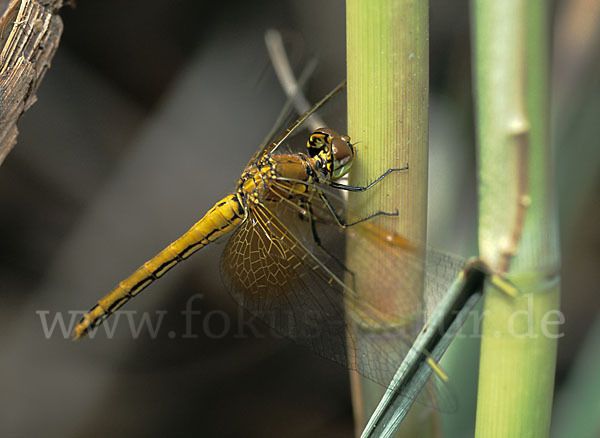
point(517, 217)
point(387, 51)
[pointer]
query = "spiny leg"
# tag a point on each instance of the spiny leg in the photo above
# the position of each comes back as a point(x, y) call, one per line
point(339, 220)
point(342, 223)
point(311, 218)
point(336, 185)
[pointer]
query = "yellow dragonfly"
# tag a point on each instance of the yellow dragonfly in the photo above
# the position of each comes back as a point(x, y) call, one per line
point(282, 268)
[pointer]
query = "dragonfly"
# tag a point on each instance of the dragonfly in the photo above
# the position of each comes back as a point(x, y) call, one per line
point(284, 261)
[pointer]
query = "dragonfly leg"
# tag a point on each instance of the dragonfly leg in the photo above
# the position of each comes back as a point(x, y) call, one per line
point(313, 227)
point(342, 223)
point(317, 240)
point(336, 185)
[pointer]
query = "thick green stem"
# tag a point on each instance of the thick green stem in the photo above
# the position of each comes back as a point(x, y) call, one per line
point(517, 217)
point(387, 48)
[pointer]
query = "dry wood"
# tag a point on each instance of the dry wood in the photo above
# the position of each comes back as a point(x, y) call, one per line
point(29, 34)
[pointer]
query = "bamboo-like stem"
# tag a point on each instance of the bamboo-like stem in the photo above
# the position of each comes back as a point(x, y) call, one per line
point(517, 217)
point(387, 50)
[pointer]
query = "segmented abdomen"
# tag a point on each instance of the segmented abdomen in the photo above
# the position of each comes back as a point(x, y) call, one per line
point(223, 218)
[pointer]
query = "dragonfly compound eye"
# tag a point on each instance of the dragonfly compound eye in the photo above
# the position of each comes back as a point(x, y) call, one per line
point(343, 155)
point(342, 149)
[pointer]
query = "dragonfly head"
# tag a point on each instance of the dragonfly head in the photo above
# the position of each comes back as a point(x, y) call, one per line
point(333, 151)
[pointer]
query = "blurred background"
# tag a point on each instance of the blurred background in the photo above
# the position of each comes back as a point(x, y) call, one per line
point(147, 117)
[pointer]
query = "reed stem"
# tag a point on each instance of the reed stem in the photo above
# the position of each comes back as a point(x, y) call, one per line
point(517, 217)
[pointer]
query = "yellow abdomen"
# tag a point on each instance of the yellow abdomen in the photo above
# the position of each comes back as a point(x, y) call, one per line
point(223, 218)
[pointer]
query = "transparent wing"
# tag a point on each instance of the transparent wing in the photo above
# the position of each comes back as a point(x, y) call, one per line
point(405, 259)
point(272, 276)
point(292, 106)
point(271, 145)
point(304, 291)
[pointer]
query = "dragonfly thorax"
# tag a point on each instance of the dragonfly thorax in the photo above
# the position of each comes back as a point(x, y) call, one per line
point(332, 153)
point(284, 176)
